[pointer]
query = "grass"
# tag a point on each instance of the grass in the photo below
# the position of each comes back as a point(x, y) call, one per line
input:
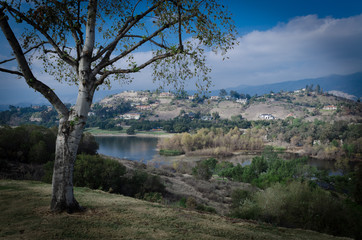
point(24, 207)
point(167, 152)
point(96, 131)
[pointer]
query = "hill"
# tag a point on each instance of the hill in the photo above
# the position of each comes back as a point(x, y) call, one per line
point(350, 84)
point(26, 215)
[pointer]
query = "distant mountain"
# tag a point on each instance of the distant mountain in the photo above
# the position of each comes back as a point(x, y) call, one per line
point(350, 84)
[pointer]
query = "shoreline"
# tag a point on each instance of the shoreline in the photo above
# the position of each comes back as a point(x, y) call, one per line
point(134, 135)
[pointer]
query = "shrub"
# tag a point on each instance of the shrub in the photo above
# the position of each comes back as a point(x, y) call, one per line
point(204, 169)
point(139, 183)
point(98, 173)
point(166, 152)
point(94, 172)
point(299, 205)
point(131, 131)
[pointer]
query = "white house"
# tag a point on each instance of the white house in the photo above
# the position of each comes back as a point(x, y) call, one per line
point(242, 101)
point(214, 98)
point(129, 116)
point(266, 116)
point(330, 107)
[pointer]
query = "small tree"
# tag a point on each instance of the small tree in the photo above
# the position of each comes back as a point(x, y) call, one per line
point(90, 43)
point(222, 93)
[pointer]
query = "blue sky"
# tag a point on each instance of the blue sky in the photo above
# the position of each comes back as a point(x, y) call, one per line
point(280, 40)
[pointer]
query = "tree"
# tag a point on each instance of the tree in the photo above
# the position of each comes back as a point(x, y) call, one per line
point(234, 94)
point(67, 37)
point(222, 93)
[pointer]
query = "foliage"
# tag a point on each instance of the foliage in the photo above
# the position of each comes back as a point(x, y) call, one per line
point(27, 144)
point(299, 205)
point(96, 172)
point(166, 152)
point(36, 144)
point(131, 131)
point(204, 169)
point(88, 144)
point(216, 139)
point(139, 183)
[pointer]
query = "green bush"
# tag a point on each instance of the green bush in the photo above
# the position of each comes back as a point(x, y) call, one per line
point(166, 152)
point(204, 169)
point(131, 131)
point(96, 172)
point(139, 183)
point(298, 205)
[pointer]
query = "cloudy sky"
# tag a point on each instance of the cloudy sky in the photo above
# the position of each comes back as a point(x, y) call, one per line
point(280, 40)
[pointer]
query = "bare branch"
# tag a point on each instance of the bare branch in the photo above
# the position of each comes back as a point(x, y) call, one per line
point(104, 64)
point(61, 54)
point(11, 72)
point(135, 6)
point(105, 74)
point(151, 40)
point(126, 27)
point(37, 85)
point(27, 51)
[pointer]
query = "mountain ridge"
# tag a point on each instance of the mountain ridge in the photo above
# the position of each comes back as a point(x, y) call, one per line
point(350, 84)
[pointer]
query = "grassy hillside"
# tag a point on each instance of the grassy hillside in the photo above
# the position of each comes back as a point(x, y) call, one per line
point(25, 215)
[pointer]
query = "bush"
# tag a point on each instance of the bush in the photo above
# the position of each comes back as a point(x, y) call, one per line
point(139, 183)
point(300, 206)
point(166, 152)
point(94, 172)
point(131, 131)
point(88, 144)
point(98, 173)
point(204, 169)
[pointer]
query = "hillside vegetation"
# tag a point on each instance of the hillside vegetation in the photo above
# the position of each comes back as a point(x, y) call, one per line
point(25, 214)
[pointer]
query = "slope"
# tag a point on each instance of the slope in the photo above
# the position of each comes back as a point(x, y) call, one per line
point(25, 215)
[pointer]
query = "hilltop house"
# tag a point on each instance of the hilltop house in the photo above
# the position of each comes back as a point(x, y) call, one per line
point(266, 116)
point(144, 107)
point(330, 107)
point(242, 101)
point(166, 94)
point(129, 116)
point(214, 98)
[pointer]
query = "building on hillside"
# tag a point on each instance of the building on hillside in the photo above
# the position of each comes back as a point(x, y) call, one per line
point(266, 116)
point(166, 94)
point(144, 107)
point(242, 101)
point(130, 116)
point(214, 98)
point(330, 107)
point(191, 97)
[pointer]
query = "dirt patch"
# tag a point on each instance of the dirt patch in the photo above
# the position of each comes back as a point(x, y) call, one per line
point(227, 109)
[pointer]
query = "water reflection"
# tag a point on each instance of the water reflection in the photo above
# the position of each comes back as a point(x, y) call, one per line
point(128, 147)
point(144, 149)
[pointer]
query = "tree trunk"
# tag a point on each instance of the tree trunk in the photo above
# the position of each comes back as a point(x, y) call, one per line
point(65, 154)
point(68, 138)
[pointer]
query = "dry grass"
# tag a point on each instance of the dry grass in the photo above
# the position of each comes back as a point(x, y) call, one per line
point(25, 215)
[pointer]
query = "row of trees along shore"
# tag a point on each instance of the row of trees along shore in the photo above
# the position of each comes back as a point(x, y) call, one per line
point(78, 45)
point(214, 141)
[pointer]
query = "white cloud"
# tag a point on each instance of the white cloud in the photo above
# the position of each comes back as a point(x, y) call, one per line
point(304, 47)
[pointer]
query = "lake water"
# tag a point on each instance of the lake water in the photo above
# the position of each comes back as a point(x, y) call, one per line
point(144, 149)
point(141, 149)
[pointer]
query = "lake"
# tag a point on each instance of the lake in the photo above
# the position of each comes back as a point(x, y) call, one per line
point(144, 149)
